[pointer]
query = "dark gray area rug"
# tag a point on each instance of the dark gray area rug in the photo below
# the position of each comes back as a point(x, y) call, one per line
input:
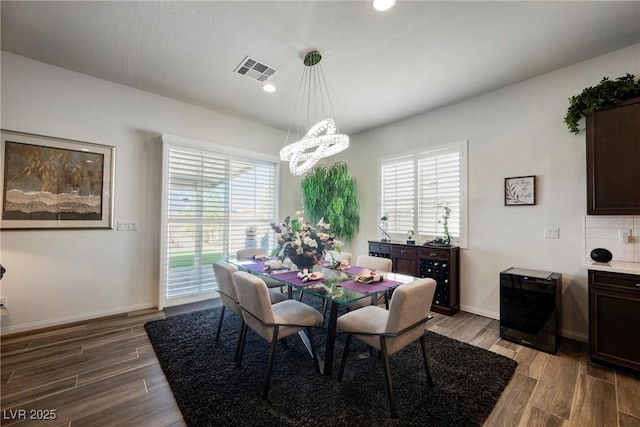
point(211, 392)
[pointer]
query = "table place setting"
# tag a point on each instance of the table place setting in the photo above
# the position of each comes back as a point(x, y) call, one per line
point(368, 281)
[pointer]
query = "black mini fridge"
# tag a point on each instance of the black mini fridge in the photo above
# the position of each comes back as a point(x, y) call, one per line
point(531, 307)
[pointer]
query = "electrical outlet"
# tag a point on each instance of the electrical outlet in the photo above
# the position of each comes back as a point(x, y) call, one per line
point(625, 235)
point(552, 232)
point(3, 302)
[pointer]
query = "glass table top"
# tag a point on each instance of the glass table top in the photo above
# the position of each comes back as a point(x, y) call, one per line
point(336, 285)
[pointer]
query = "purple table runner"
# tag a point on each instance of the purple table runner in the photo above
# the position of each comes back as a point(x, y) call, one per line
point(292, 277)
point(369, 288)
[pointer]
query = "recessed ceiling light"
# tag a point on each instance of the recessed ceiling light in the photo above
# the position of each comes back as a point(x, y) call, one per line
point(269, 88)
point(383, 5)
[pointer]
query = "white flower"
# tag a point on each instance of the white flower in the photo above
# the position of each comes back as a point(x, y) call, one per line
point(310, 242)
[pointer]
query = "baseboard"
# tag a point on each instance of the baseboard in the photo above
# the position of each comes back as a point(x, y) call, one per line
point(480, 312)
point(26, 327)
point(578, 336)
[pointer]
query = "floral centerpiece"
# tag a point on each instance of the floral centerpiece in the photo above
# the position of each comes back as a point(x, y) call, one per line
point(301, 242)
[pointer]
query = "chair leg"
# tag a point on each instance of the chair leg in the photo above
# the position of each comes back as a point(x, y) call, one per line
point(236, 356)
point(220, 323)
point(345, 354)
point(427, 368)
point(241, 342)
point(313, 350)
point(387, 372)
point(324, 310)
point(272, 356)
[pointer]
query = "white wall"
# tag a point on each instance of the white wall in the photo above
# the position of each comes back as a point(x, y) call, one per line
point(514, 131)
point(59, 276)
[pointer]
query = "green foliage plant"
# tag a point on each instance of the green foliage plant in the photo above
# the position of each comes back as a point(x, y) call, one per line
point(330, 192)
point(606, 93)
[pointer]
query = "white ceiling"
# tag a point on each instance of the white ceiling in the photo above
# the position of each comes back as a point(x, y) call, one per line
point(379, 67)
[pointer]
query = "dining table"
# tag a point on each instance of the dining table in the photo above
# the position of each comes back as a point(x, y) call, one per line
point(338, 288)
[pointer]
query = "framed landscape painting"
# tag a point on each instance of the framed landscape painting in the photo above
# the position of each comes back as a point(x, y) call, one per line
point(51, 183)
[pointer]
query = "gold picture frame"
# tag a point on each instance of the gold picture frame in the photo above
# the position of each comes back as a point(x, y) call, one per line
point(55, 183)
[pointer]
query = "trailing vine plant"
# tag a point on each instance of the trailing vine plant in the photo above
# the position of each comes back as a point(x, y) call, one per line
point(606, 93)
point(330, 192)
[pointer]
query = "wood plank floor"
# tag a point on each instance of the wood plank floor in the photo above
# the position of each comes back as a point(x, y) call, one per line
point(104, 373)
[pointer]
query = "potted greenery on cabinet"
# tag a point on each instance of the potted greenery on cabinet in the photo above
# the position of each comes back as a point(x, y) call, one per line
point(604, 94)
point(329, 192)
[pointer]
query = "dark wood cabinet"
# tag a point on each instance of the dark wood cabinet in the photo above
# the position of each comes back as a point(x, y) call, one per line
point(439, 263)
point(614, 316)
point(613, 156)
point(405, 259)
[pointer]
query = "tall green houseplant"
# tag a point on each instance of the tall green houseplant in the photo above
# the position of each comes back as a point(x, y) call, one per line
point(330, 192)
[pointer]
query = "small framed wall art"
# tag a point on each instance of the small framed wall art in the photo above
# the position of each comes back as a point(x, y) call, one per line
point(54, 183)
point(520, 191)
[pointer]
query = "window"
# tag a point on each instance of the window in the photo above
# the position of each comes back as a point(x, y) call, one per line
point(416, 188)
point(214, 203)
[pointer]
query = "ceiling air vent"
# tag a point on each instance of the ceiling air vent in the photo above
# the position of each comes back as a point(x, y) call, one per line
point(255, 69)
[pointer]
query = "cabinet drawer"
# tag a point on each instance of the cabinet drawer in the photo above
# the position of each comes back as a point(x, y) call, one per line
point(405, 252)
point(604, 279)
point(379, 248)
point(434, 253)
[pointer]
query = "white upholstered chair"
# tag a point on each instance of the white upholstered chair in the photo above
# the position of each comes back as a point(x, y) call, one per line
point(250, 252)
point(227, 290)
point(247, 253)
point(380, 265)
point(339, 256)
point(271, 322)
point(389, 331)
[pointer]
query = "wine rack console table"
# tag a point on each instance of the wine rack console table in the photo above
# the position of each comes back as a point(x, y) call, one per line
point(439, 263)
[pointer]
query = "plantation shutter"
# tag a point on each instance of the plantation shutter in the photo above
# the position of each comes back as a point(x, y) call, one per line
point(439, 186)
point(213, 205)
point(398, 194)
point(416, 188)
point(253, 208)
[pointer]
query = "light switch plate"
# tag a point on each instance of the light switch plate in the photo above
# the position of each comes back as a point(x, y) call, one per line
point(552, 232)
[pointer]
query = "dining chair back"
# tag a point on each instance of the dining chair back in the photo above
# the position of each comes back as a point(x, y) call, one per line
point(389, 331)
point(223, 272)
point(250, 252)
point(339, 256)
point(380, 265)
point(272, 322)
point(376, 263)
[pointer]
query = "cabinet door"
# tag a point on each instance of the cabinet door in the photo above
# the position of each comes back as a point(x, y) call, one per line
point(614, 313)
point(613, 156)
point(405, 260)
point(614, 336)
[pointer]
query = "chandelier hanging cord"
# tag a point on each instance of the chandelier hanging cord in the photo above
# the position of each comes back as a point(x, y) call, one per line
point(322, 136)
point(326, 89)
